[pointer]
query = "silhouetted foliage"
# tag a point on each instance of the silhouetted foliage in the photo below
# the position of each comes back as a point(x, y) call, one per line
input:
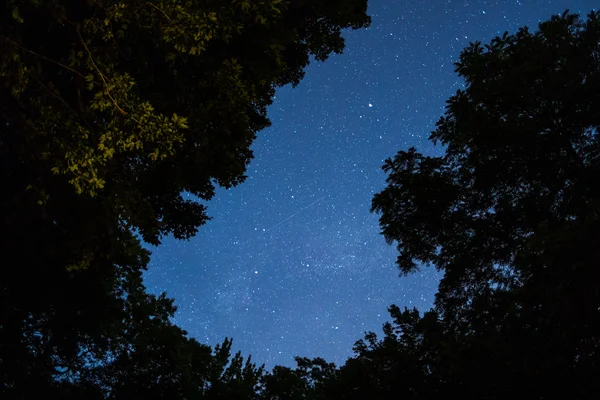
point(313, 379)
point(510, 214)
point(111, 113)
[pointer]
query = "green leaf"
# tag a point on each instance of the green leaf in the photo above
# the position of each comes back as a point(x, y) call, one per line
point(16, 15)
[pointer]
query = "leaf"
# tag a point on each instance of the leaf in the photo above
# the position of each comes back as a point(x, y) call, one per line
point(16, 15)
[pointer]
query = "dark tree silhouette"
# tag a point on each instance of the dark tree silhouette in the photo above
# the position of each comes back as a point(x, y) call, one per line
point(139, 101)
point(511, 215)
point(111, 112)
point(313, 379)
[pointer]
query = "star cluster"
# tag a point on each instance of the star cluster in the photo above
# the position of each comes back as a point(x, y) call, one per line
point(292, 263)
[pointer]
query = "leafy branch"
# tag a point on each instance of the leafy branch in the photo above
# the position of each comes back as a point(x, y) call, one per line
point(42, 56)
point(106, 86)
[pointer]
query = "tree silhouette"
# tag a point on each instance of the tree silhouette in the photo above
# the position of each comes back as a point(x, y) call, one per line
point(313, 379)
point(139, 101)
point(510, 214)
point(111, 114)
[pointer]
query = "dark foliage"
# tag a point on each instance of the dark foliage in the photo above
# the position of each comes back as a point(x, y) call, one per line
point(510, 214)
point(110, 113)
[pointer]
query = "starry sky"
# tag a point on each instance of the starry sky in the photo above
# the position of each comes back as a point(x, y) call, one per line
point(292, 263)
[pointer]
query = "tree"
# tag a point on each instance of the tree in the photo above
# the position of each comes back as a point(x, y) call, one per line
point(120, 345)
point(403, 364)
point(313, 379)
point(111, 114)
point(138, 102)
point(510, 213)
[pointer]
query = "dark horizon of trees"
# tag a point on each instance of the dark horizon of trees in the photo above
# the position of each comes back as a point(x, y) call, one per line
point(109, 110)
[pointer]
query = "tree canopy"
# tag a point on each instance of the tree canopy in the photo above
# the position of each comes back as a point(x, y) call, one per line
point(510, 212)
point(521, 156)
point(138, 102)
point(119, 117)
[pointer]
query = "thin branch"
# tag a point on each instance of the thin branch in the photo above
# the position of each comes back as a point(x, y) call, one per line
point(57, 97)
point(42, 56)
point(163, 13)
point(117, 46)
point(102, 76)
point(64, 102)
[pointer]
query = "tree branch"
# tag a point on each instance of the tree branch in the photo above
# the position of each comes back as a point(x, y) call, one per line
point(42, 56)
point(163, 13)
point(102, 77)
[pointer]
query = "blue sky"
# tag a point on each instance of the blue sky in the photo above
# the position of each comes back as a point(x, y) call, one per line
point(292, 262)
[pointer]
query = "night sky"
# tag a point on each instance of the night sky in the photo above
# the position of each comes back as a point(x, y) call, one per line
point(292, 262)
